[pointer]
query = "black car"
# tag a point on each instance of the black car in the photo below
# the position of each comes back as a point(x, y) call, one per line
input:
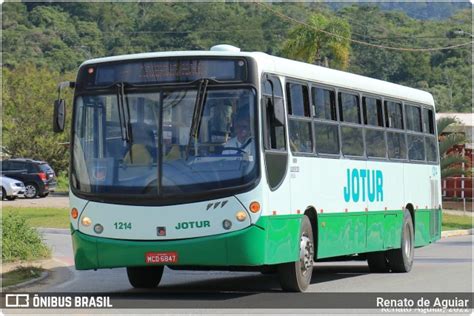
point(39, 178)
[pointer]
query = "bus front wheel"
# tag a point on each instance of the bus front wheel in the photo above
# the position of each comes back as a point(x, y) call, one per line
point(296, 276)
point(145, 277)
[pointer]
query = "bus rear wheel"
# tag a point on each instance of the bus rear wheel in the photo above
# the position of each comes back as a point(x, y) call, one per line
point(401, 260)
point(145, 277)
point(378, 262)
point(296, 276)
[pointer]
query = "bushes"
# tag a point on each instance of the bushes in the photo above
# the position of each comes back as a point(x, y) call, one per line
point(20, 241)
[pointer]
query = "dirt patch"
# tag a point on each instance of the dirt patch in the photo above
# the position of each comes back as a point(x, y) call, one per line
point(49, 201)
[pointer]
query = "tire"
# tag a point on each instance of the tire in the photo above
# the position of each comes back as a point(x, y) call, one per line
point(378, 262)
point(11, 198)
point(4, 194)
point(145, 277)
point(296, 276)
point(31, 190)
point(401, 260)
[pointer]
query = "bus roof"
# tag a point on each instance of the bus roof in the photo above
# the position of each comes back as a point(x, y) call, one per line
point(298, 70)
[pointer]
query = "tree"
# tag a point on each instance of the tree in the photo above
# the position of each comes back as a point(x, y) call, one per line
point(450, 163)
point(312, 42)
point(28, 96)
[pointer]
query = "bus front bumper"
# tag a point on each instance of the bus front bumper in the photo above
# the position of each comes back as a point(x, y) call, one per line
point(248, 247)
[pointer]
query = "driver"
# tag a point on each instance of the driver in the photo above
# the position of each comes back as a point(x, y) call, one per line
point(243, 141)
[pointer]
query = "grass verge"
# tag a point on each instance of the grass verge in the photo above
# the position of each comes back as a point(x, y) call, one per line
point(21, 241)
point(41, 217)
point(453, 222)
point(20, 274)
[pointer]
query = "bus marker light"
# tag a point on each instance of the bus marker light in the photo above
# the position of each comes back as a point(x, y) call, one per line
point(86, 221)
point(226, 224)
point(298, 211)
point(274, 212)
point(254, 207)
point(366, 209)
point(74, 213)
point(241, 216)
point(98, 228)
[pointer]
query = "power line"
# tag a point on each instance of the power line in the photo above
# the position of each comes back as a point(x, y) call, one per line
point(408, 49)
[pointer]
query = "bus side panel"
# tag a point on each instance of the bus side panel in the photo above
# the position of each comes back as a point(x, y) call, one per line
point(341, 234)
point(392, 232)
point(375, 231)
point(282, 244)
point(422, 227)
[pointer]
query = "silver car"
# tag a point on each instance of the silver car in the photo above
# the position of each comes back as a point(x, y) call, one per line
point(11, 188)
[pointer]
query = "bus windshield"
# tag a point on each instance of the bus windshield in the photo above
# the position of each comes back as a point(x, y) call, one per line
point(140, 143)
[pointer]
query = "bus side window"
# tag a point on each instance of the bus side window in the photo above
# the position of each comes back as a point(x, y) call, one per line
point(428, 125)
point(393, 115)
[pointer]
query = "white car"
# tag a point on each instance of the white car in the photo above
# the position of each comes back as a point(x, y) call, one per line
point(11, 188)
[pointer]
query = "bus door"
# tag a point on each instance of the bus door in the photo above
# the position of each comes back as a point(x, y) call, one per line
point(275, 149)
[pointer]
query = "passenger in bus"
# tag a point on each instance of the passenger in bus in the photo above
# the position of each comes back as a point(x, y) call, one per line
point(243, 141)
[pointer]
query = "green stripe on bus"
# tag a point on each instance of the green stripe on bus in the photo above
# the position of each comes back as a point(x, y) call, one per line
point(272, 240)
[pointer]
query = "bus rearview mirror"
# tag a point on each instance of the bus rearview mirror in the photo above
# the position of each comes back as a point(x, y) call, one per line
point(59, 117)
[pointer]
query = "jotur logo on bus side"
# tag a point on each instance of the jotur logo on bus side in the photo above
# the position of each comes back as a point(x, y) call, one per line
point(363, 185)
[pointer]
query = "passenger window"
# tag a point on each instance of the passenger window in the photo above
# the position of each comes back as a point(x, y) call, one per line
point(375, 143)
point(393, 115)
point(428, 121)
point(326, 138)
point(397, 148)
point(324, 104)
point(413, 118)
point(298, 99)
point(301, 139)
point(372, 111)
point(431, 150)
point(352, 141)
point(416, 147)
point(349, 110)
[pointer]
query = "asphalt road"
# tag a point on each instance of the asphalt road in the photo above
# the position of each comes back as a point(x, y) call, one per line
point(445, 266)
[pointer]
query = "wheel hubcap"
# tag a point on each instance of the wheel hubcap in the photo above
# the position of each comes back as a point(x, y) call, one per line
point(30, 191)
point(407, 237)
point(306, 254)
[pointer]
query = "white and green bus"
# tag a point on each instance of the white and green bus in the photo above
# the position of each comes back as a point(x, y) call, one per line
point(234, 160)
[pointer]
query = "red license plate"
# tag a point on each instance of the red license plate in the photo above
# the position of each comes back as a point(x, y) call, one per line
point(161, 257)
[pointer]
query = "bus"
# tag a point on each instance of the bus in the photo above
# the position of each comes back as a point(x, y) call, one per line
point(233, 160)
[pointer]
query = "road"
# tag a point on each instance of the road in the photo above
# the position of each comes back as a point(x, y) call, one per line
point(445, 266)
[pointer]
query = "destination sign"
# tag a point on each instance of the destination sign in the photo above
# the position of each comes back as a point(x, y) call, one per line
point(164, 71)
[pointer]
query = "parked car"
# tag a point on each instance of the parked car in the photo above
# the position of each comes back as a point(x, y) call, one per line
point(39, 178)
point(11, 188)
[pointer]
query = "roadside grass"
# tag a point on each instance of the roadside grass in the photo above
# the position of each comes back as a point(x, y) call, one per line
point(21, 242)
point(41, 216)
point(452, 222)
point(20, 274)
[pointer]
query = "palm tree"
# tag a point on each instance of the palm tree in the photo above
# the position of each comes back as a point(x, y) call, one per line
point(314, 43)
point(450, 163)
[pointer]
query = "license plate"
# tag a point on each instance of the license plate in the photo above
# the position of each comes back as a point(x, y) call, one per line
point(161, 257)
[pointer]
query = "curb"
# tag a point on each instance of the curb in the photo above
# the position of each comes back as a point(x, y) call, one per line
point(43, 276)
point(458, 232)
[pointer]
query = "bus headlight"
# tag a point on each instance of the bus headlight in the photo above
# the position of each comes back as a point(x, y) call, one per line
point(86, 221)
point(226, 224)
point(241, 216)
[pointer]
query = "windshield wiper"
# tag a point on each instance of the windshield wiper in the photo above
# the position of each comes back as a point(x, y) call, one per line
point(124, 114)
point(197, 116)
